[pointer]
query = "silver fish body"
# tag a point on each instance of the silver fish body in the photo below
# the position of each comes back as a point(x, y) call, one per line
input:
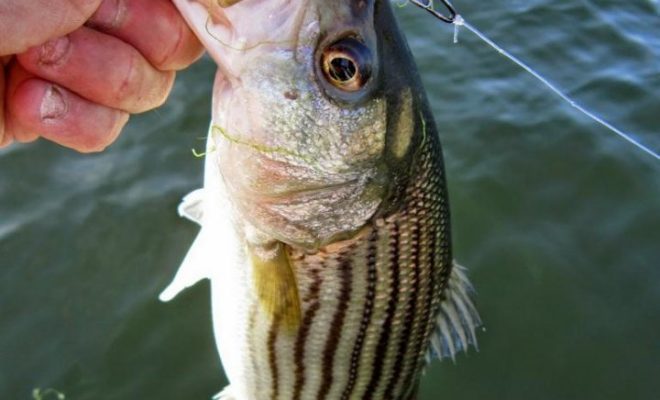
point(324, 214)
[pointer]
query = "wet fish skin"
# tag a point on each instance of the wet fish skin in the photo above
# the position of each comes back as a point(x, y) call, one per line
point(325, 217)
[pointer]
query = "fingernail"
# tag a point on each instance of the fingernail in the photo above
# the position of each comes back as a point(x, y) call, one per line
point(53, 52)
point(53, 105)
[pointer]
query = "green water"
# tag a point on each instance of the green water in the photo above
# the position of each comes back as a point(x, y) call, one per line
point(557, 219)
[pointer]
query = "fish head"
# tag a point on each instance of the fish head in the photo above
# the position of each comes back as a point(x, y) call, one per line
point(303, 126)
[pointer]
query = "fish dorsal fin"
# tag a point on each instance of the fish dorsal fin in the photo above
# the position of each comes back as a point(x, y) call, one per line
point(275, 283)
point(192, 206)
point(457, 318)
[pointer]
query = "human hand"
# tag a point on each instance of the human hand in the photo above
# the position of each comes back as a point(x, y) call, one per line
point(73, 70)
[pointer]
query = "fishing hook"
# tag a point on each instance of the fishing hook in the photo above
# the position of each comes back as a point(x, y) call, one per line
point(450, 19)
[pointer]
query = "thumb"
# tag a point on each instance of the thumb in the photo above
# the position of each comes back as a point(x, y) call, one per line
point(3, 140)
point(24, 24)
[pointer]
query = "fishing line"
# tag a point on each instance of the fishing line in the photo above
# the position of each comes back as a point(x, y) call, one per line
point(454, 18)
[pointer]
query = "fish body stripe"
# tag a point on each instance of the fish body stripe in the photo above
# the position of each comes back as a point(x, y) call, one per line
point(254, 362)
point(334, 335)
point(366, 315)
point(272, 357)
point(303, 332)
point(408, 330)
point(384, 339)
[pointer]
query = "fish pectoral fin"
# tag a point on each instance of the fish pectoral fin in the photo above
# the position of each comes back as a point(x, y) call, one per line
point(275, 283)
point(192, 206)
point(457, 318)
point(193, 269)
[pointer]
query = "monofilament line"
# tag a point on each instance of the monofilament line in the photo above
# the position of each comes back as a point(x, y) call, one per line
point(459, 21)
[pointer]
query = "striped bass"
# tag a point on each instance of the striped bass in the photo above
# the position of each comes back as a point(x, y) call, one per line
point(324, 214)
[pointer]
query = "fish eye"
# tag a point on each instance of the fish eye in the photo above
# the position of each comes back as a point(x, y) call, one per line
point(347, 64)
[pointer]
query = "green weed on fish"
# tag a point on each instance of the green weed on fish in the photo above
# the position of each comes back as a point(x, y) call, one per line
point(261, 148)
point(203, 153)
point(209, 21)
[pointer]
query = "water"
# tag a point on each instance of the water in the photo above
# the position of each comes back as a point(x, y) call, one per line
point(557, 219)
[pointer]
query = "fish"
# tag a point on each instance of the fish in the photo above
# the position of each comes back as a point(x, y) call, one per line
point(324, 214)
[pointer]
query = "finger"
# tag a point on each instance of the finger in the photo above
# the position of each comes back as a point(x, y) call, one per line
point(61, 116)
point(100, 68)
point(4, 138)
point(154, 27)
point(24, 24)
point(16, 132)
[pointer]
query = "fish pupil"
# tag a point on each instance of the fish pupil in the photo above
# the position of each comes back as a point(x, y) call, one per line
point(342, 69)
